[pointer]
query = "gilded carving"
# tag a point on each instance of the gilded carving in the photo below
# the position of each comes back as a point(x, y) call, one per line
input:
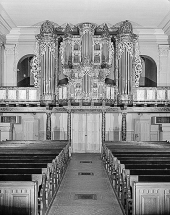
point(48, 126)
point(123, 126)
point(35, 69)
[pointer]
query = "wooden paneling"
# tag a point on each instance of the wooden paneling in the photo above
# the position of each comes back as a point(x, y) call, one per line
point(18, 198)
point(59, 126)
point(151, 198)
point(31, 129)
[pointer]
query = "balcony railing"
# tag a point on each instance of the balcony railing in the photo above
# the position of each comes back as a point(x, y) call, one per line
point(19, 95)
point(141, 95)
point(107, 93)
point(154, 95)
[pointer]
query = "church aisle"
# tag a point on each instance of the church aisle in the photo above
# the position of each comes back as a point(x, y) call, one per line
point(85, 189)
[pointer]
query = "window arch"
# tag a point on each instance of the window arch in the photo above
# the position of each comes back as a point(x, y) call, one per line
point(148, 77)
point(24, 76)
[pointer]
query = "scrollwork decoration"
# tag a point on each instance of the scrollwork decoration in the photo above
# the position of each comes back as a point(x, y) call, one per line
point(35, 69)
point(137, 64)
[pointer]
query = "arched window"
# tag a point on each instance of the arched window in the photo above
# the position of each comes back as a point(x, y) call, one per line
point(24, 75)
point(148, 77)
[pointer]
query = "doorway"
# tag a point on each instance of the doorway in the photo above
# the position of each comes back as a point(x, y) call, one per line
point(86, 132)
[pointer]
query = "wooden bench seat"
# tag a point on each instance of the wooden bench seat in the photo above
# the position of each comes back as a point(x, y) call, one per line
point(151, 161)
point(26, 160)
point(147, 166)
point(23, 165)
point(18, 177)
point(22, 170)
point(138, 153)
point(149, 158)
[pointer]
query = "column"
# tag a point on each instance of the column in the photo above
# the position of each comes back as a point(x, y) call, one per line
point(163, 73)
point(10, 67)
point(1, 62)
point(48, 126)
point(124, 126)
point(69, 127)
point(103, 125)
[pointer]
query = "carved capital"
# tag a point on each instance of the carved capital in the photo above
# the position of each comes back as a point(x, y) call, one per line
point(164, 50)
point(10, 49)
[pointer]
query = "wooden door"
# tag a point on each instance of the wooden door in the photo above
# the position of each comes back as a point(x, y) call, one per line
point(86, 132)
point(142, 130)
point(78, 130)
point(93, 132)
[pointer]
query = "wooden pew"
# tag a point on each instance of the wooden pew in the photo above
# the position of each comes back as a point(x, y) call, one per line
point(127, 177)
point(51, 178)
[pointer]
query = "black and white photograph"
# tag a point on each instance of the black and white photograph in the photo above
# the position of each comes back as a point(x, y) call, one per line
point(84, 107)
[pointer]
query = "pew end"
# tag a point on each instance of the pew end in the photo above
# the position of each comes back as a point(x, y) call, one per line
point(151, 198)
point(19, 197)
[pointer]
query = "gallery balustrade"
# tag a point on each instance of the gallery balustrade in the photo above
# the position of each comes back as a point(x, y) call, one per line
point(141, 95)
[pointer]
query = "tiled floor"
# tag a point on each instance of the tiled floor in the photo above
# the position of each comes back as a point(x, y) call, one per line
point(85, 178)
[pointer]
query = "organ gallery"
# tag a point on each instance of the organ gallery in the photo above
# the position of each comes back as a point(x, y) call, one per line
point(84, 83)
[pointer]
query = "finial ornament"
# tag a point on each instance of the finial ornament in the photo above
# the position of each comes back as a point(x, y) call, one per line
point(47, 28)
point(126, 28)
point(105, 31)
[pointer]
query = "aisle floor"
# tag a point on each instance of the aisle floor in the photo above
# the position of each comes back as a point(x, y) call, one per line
point(85, 189)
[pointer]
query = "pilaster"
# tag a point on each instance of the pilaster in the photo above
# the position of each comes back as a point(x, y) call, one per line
point(163, 74)
point(1, 62)
point(103, 125)
point(10, 67)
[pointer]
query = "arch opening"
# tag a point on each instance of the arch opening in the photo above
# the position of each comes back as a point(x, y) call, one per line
point(148, 77)
point(24, 76)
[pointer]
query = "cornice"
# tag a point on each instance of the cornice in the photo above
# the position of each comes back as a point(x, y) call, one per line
point(27, 34)
point(151, 35)
point(22, 34)
point(6, 23)
point(165, 24)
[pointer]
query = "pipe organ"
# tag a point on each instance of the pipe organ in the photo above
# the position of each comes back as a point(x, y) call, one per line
point(86, 63)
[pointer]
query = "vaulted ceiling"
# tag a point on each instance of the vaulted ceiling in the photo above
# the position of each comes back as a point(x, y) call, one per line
point(142, 13)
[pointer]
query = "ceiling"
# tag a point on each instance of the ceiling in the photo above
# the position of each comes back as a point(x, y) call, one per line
point(142, 13)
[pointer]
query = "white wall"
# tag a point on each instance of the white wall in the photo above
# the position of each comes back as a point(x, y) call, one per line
point(32, 127)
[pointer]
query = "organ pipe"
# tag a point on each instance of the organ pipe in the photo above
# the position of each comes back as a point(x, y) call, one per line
point(48, 47)
point(126, 56)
